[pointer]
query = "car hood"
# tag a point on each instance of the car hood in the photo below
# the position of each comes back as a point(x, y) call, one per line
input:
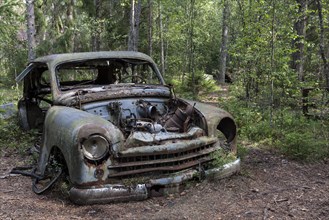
point(80, 96)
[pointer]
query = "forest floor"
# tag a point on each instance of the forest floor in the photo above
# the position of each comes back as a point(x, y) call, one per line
point(269, 186)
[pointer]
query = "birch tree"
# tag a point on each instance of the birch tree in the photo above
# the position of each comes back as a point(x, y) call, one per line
point(162, 49)
point(135, 14)
point(30, 29)
point(96, 32)
point(298, 44)
point(223, 50)
point(150, 28)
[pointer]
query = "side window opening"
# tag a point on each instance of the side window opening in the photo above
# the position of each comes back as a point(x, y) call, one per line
point(37, 98)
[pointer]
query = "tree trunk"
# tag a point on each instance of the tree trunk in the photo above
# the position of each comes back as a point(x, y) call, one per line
point(298, 44)
point(223, 50)
point(70, 43)
point(272, 61)
point(96, 32)
point(150, 25)
point(297, 62)
point(162, 57)
point(322, 50)
point(131, 36)
point(135, 13)
point(191, 48)
point(30, 29)
point(137, 23)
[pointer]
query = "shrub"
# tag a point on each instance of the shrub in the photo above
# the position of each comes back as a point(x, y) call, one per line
point(303, 146)
point(13, 137)
point(202, 85)
point(287, 129)
point(220, 157)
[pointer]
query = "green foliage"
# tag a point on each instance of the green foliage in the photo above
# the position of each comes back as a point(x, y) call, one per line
point(9, 95)
point(8, 16)
point(13, 137)
point(304, 145)
point(287, 130)
point(194, 88)
point(220, 157)
point(242, 151)
point(11, 48)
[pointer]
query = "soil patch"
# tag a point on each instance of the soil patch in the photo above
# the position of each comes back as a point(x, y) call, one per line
point(269, 186)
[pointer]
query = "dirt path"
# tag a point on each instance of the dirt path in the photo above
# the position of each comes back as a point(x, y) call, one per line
point(269, 187)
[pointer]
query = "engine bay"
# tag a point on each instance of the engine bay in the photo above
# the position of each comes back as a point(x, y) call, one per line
point(151, 115)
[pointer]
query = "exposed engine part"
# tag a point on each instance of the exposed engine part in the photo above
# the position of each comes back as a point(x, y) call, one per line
point(114, 107)
point(148, 116)
point(146, 109)
point(115, 110)
point(180, 120)
point(129, 122)
point(150, 127)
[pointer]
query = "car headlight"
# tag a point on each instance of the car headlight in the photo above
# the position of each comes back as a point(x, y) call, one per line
point(95, 147)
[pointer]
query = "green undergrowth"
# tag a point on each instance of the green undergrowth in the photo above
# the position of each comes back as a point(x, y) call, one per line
point(242, 151)
point(194, 88)
point(284, 129)
point(13, 137)
point(9, 94)
point(220, 157)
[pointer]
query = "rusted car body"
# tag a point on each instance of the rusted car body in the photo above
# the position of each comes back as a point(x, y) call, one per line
point(116, 129)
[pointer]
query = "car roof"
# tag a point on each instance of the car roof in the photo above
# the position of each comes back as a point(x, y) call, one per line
point(58, 58)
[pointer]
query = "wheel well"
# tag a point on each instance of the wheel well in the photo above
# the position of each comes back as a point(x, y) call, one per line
point(59, 158)
point(228, 128)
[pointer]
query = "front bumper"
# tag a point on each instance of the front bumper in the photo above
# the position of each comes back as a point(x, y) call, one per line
point(119, 193)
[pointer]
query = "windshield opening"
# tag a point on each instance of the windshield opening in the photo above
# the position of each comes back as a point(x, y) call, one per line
point(105, 72)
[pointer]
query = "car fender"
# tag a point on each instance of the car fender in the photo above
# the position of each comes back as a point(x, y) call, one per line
point(217, 119)
point(64, 128)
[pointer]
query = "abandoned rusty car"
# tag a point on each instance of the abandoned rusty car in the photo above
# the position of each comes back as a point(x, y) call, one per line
point(116, 130)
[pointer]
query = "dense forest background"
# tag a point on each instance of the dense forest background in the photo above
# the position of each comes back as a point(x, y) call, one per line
point(274, 54)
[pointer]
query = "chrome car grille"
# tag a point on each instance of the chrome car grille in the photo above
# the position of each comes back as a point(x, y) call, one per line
point(164, 160)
